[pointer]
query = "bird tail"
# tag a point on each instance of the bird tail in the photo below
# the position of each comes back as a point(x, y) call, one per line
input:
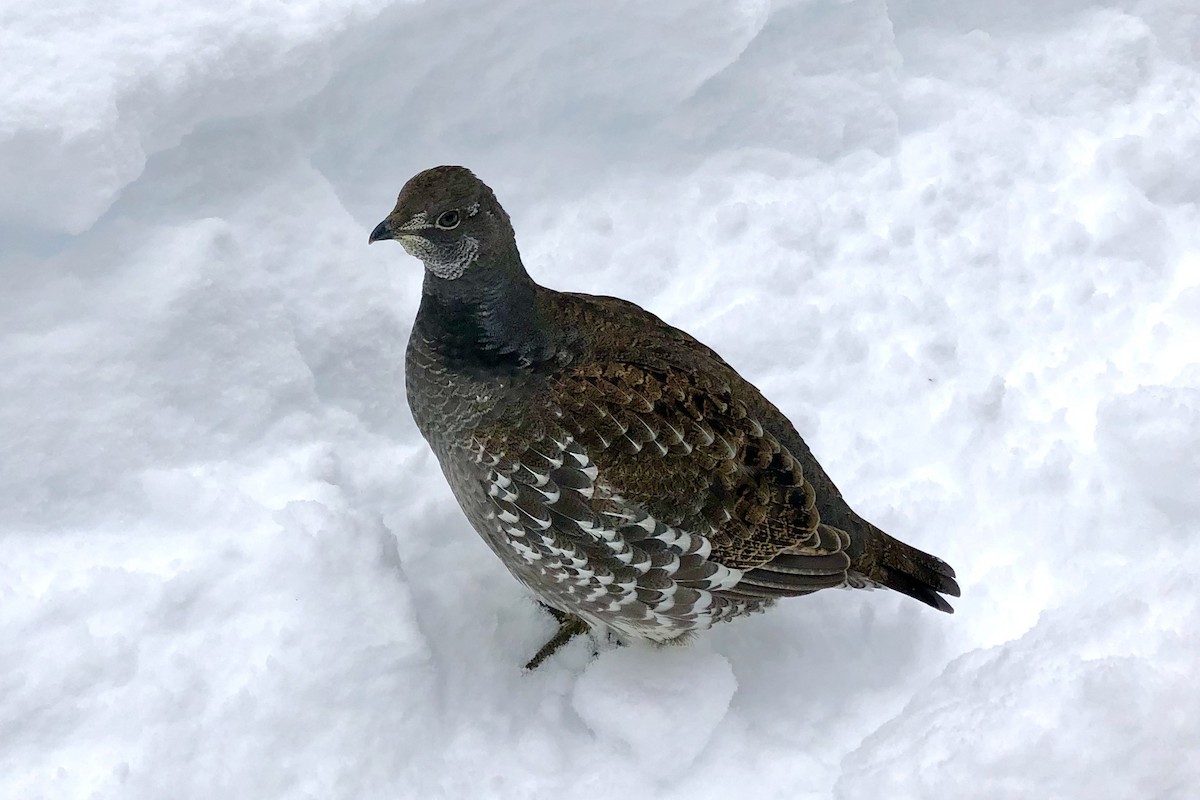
point(896, 565)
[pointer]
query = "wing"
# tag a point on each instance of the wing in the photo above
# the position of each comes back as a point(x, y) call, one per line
point(683, 447)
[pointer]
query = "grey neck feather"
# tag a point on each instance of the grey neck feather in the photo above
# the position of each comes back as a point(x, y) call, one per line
point(487, 317)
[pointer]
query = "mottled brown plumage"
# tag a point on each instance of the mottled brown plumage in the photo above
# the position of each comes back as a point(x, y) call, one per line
point(620, 468)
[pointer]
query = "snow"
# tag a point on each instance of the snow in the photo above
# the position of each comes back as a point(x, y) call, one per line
point(957, 243)
point(642, 697)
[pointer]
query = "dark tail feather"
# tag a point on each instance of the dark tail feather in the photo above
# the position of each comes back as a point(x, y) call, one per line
point(910, 571)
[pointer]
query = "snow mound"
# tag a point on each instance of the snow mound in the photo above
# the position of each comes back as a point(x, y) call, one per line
point(1028, 719)
point(659, 705)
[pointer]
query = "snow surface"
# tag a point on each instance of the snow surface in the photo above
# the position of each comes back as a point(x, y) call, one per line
point(957, 242)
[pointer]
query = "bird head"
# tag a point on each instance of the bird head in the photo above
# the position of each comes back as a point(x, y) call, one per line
point(449, 219)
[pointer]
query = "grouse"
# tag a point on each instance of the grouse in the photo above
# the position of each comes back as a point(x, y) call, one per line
point(628, 476)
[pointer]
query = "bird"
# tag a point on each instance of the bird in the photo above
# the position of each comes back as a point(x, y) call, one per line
point(628, 476)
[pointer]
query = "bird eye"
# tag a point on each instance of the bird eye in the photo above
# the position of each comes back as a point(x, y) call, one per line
point(447, 220)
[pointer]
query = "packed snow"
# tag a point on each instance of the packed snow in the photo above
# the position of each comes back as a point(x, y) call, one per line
point(957, 243)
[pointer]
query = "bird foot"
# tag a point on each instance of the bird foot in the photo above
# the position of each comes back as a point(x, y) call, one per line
point(569, 626)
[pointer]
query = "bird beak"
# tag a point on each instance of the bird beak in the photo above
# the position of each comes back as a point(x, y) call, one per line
point(382, 231)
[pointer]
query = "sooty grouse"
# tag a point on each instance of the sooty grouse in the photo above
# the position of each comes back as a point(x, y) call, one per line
point(618, 467)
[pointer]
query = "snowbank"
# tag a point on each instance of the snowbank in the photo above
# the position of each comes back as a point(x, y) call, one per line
point(959, 244)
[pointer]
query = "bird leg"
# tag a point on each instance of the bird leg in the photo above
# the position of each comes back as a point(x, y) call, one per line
point(554, 612)
point(569, 626)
